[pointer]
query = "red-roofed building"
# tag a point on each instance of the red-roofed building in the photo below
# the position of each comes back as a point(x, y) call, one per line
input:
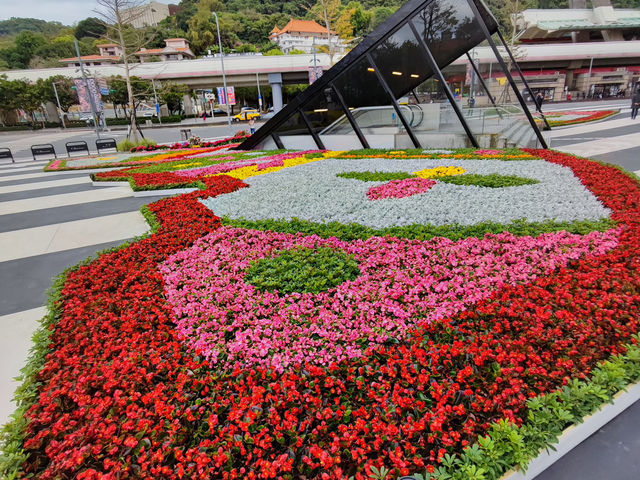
point(305, 35)
point(175, 49)
point(91, 60)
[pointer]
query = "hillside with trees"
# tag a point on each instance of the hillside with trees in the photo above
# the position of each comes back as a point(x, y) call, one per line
point(245, 26)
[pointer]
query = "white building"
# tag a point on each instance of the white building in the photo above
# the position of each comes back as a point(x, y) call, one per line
point(306, 35)
point(149, 15)
point(175, 49)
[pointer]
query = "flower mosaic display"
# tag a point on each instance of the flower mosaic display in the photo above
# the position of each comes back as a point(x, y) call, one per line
point(323, 335)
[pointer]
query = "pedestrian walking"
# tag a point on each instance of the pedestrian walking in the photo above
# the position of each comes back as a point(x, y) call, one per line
point(539, 100)
point(204, 116)
point(635, 104)
point(252, 125)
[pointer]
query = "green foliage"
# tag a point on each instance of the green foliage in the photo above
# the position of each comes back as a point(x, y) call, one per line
point(126, 145)
point(376, 176)
point(14, 26)
point(274, 51)
point(356, 231)
point(119, 96)
point(303, 270)
point(507, 446)
point(90, 27)
point(172, 94)
point(491, 181)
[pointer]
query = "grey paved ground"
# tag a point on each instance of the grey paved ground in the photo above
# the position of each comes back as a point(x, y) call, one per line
point(50, 216)
point(613, 453)
point(25, 282)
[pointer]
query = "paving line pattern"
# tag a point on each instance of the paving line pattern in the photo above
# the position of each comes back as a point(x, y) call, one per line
point(48, 242)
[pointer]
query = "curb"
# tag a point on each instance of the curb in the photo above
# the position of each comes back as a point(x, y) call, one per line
point(578, 433)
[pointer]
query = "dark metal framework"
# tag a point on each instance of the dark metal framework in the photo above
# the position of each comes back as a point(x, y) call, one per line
point(294, 120)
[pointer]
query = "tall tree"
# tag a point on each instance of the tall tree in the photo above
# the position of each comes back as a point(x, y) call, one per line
point(328, 11)
point(172, 94)
point(117, 16)
point(90, 27)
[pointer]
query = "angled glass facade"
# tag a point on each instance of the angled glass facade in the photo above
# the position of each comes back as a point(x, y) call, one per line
point(402, 88)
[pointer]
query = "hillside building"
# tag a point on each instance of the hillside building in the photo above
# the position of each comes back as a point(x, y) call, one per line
point(306, 35)
point(151, 14)
point(175, 49)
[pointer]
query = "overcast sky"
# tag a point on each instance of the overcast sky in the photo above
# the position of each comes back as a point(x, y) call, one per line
point(67, 12)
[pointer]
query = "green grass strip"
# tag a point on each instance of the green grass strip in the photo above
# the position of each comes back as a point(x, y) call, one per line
point(376, 176)
point(493, 180)
point(354, 231)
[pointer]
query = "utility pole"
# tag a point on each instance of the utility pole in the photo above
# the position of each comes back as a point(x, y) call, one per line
point(60, 115)
point(224, 77)
point(153, 84)
point(86, 85)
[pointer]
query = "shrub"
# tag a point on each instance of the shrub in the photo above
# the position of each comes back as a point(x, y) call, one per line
point(126, 145)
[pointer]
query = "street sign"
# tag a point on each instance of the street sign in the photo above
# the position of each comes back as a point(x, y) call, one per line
point(210, 96)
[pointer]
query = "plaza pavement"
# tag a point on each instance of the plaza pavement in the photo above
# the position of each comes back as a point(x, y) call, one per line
point(51, 221)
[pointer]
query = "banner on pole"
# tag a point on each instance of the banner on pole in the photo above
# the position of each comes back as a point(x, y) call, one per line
point(228, 98)
point(314, 74)
point(84, 90)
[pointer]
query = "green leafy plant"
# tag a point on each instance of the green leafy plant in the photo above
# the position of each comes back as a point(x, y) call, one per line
point(303, 270)
point(493, 180)
point(126, 145)
point(354, 231)
point(376, 176)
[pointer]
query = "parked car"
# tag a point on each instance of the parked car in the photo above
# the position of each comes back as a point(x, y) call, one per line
point(247, 114)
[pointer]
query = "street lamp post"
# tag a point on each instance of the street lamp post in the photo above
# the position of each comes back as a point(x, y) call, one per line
point(224, 77)
point(60, 115)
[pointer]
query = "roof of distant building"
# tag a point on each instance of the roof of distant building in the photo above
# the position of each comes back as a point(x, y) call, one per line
point(541, 23)
point(92, 58)
point(106, 45)
point(300, 26)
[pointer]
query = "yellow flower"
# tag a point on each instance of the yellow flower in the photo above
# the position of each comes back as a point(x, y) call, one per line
point(440, 172)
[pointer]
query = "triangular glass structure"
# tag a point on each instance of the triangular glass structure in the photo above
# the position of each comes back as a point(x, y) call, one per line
point(401, 87)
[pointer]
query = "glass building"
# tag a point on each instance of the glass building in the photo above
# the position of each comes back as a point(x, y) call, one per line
point(399, 88)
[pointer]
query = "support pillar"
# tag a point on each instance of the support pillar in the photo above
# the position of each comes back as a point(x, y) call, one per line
point(275, 79)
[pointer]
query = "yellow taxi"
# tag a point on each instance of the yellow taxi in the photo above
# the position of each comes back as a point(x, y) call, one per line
point(246, 115)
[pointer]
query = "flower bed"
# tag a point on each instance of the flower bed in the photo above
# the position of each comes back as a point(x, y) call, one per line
point(561, 119)
point(176, 357)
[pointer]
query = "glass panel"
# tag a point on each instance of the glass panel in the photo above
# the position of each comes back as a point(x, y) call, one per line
point(449, 28)
point(402, 63)
point(294, 133)
point(370, 105)
point(508, 120)
point(328, 120)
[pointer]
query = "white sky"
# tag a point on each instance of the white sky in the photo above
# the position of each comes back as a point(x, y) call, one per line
point(67, 12)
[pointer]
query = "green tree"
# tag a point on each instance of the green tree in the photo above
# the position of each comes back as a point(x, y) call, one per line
point(26, 45)
point(10, 93)
point(119, 95)
point(90, 27)
point(171, 94)
point(66, 92)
